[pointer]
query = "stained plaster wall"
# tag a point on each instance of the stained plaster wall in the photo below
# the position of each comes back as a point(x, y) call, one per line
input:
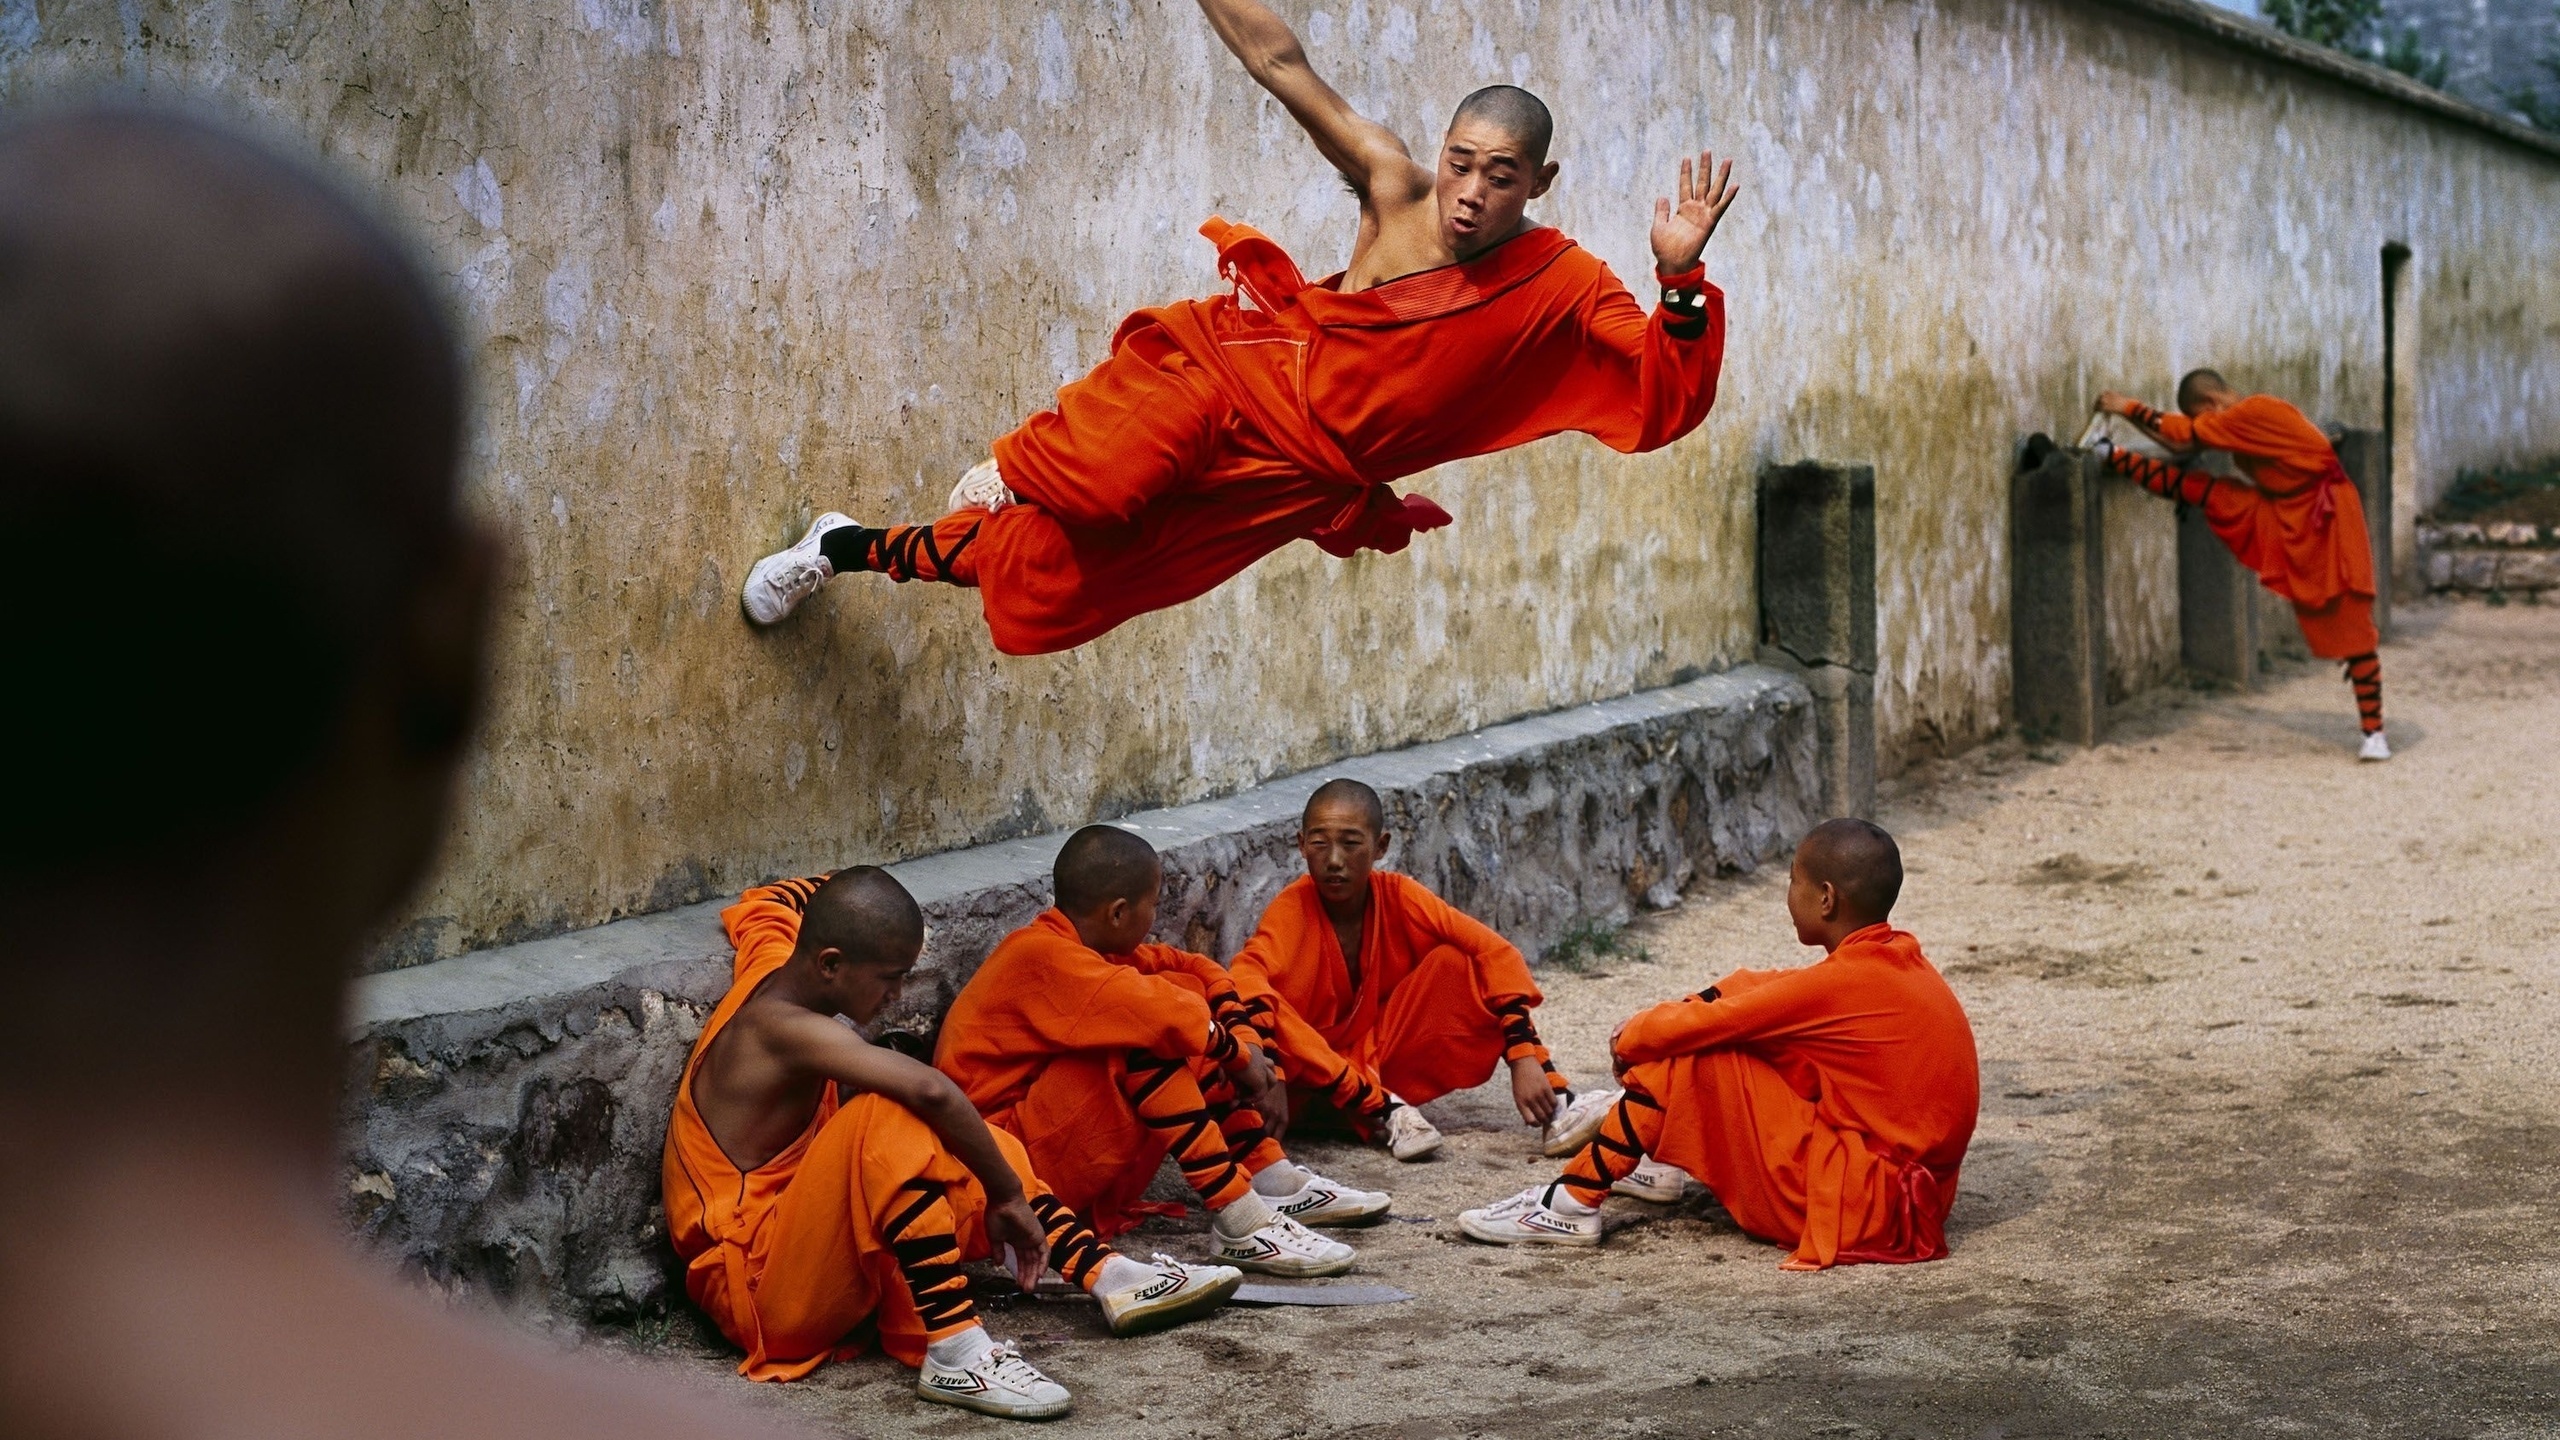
point(726, 265)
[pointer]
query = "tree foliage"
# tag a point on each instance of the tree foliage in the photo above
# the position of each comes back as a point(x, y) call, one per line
point(2338, 24)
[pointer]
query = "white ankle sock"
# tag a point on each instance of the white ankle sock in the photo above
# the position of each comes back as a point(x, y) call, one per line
point(1562, 1200)
point(1243, 1217)
point(958, 1352)
point(1285, 1177)
point(1119, 1273)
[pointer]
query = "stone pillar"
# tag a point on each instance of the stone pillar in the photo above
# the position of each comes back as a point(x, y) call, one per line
point(2057, 597)
point(2217, 606)
point(1818, 612)
point(2366, 454)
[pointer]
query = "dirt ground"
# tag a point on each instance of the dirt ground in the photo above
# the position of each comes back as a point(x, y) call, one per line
point(2270, 1130)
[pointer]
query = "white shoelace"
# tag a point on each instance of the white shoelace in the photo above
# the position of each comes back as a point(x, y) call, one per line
point(1005, 1365)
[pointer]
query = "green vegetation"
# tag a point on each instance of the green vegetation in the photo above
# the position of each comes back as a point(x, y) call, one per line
point(2356, 27)
point(2540, 104)
point(1581, 949)
point(2530, 493)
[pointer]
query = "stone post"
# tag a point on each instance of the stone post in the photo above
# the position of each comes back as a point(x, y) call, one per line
point(2217, 606)
point(1818, 612)
point(2057, 597)
point(2366, 454)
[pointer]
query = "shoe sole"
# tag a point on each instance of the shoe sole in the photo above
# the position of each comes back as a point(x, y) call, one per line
point(1425, 1153)
point(1650, 1196)
point(756, 570)
point(1577, 1137)
point(1347, 1219)
point(999, 1410)
point(1174, 1310)
point(1292, 1269)
point(1487, 1236)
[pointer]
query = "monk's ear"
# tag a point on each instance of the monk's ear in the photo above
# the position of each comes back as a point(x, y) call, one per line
point(1831, 904)
point(1546, 179)
point(1386, 842)
point(828, 962)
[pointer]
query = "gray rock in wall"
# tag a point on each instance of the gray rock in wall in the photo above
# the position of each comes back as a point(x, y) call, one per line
point(505, 1109)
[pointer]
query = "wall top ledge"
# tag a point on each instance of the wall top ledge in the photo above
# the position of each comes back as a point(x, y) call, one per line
point(2214, 22)
point(672, 946)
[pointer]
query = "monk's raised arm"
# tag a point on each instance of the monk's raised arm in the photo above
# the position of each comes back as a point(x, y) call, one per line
point(1367, 153)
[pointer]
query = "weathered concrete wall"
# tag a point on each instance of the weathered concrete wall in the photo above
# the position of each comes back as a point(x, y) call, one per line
point(730, 264)
point(505, 1109)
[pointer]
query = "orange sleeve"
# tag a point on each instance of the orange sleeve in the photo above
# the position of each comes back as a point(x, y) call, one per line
point(1078, 1000)
point(1637, 385)
point(1500, 969)
point(1228, 1006)
point(765, 918)
point(2264, 427)
point(1759, 1005)
point(1306, 1056)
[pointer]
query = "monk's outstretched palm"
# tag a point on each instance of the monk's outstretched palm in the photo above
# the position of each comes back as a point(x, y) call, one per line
point(1681, 229)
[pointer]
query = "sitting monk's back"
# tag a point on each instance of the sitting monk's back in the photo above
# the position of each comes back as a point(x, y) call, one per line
point(1043, 993)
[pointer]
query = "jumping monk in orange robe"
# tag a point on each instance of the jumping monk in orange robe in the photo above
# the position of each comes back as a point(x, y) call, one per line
point(817, 1185)
point(2298, 522)
point(1383, 996)
point(1827, 1107)
point(1103, 1054)
point(1221, 429)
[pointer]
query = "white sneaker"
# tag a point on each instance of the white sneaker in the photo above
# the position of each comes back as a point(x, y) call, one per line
point(2375, 748)
point(999, 1382)
point(1409, 1135)
point(1652, 1180)
point(1285, 1247)
point(1177, 1292)
point(1330, 1202)
point(1573, 1125)
point(982, 489)
point(1527, 1219)
point(781, 580)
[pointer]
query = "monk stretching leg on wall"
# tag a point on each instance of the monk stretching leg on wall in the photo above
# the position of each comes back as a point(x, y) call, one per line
point(1104, 1054)
point(815, 1181)
point(1383, 996)
point(1827, 1107)
point(1222, 429)
point(2298, 522)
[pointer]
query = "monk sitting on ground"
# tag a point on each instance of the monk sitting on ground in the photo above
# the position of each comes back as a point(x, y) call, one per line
point(1383, 996)
point(1103, 1053)
point(1220, 430)
point(815, 1181)
point(1827, 1107)
point(2297, 522)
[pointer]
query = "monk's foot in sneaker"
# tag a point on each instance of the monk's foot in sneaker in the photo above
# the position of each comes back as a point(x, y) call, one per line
point(1409, 1136)
point(1529, 1219)
point(1253, 1236)
point(1654, 1181)
point(977, 1373)
point(1162, 1294)
point(2375, 748)
point(1575, 1122)
point(780, 581)
point(1330, 1202)
point(982, 488)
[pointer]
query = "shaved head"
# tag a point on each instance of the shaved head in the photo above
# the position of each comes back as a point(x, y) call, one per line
point(2197, 386)
point(1516, 113)
point(1100, 864)
point(228, 385)
point(1857, 859)
point(865, 913)
point(1346, 791)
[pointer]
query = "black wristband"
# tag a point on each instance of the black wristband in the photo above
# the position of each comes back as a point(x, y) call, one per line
point(1684, 311)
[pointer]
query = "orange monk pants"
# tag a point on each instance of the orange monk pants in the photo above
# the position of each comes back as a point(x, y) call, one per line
point(1728, 1118)
point(1436, 1034)
point(1081, 1124)
point(879, 1202)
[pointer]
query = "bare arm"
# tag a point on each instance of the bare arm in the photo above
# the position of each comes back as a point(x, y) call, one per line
point(809, 1042)
point(1366, 152)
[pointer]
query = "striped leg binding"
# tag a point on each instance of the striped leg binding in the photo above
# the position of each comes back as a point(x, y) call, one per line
point(939, 551)
point(2187, 487)
point(1624, 1139)
point(2364, 672)
point(923, 1236)
point(1075, 1252)
point(1169, 1102)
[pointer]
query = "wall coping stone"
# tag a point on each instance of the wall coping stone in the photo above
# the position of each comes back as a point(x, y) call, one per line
point(2213, 22)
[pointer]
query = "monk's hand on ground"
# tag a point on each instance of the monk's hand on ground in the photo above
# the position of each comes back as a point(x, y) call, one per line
point(1681, 228)
point(1014, 1233)
point(1531, 1092)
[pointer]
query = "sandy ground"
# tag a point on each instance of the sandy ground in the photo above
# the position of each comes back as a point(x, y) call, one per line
point(2269, 1141)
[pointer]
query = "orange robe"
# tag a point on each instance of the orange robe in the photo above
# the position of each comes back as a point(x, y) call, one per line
point(1827, 1107)
point(1039, 1040)
point(1219, 430)
point(2301, 528)
point(1421, 1020)
point(788, 1259)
